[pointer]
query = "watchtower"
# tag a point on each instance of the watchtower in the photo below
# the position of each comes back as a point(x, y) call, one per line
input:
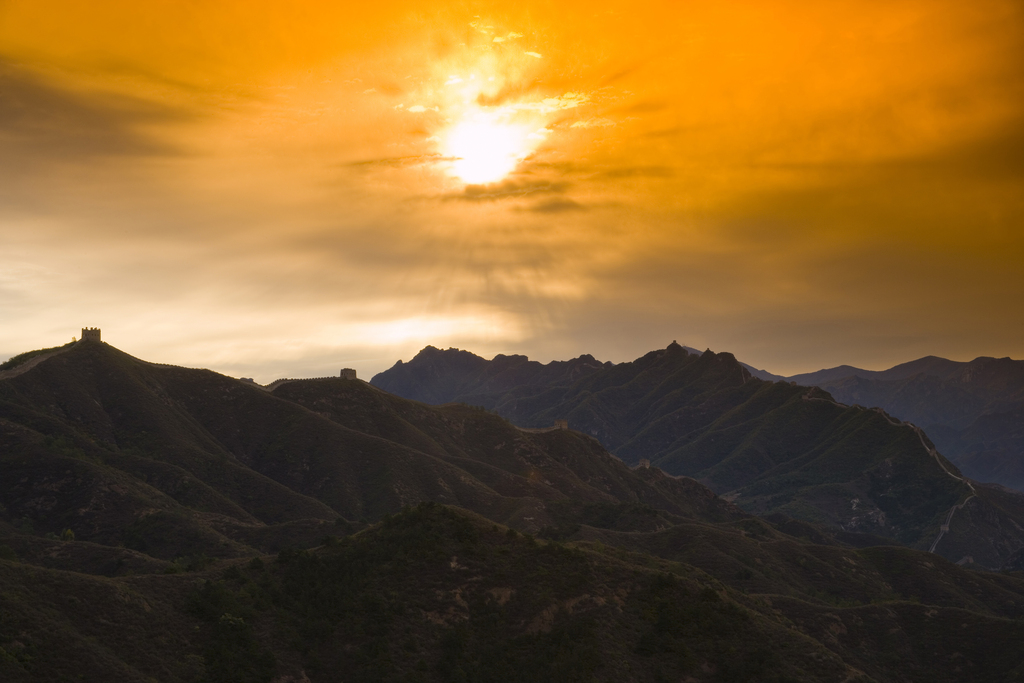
point(91, 334)
point(561, 424)
point(348, 373)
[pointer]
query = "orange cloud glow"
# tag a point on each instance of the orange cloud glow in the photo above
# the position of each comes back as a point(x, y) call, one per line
point(279, 188)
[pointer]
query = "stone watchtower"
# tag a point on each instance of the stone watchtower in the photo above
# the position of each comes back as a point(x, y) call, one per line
point(348, 373)
point(91, 334)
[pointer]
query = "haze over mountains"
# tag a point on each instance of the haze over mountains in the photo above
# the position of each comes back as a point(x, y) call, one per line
point(166, 523)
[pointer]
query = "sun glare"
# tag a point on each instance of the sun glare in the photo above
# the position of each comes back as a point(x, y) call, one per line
point(483, 116)
point(486, 150)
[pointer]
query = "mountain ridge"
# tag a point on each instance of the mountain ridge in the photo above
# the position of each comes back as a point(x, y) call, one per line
point(770, 446)
point(178, 444)
point(973, 410)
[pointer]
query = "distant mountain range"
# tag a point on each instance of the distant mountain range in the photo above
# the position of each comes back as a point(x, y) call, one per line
point(172, 524)
point(770, 447)
point(974, 411)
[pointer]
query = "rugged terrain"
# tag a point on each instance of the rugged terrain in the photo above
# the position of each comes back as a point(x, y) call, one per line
point(767, 446)
point(973, 411)
point(163, 523)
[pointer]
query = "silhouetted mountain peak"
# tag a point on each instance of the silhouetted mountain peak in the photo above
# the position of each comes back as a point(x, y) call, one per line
point(453, 375)
point(432, 353)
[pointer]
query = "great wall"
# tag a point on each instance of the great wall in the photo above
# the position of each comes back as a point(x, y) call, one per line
point(93, 335)
point(944, 526)
point(559, 425)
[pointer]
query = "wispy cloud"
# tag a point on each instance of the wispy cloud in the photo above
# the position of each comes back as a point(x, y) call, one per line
point(511, 35)
point(46, 120)
point(507, 189)
point(560, 205)
point(597, 122)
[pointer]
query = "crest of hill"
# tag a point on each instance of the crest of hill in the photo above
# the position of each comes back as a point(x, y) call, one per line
point(929, 365)
point(930, 391)
point(447, 376)
point(768, 446)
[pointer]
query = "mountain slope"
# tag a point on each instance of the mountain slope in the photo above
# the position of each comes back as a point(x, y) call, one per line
point(768, 446)
point(971, 410)
point(439, 594)
point(170, 461)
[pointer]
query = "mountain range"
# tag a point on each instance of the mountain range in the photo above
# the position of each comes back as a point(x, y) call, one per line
point(974, 411)
point(174, 524)
point(767, 446)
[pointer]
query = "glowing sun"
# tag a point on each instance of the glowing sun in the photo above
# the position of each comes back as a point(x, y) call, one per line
point(485, 149)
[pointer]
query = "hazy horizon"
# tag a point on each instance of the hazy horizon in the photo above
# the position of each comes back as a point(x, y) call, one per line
point(368, 367)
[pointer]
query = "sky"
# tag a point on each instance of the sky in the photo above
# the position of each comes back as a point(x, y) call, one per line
point(275, 189)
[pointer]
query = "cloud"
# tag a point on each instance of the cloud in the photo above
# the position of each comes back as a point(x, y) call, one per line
point(508, 188)
point(637, 172)
point(569, 100)
point(60, 145)
point(535, 55)
point(593, 123)
point(559, 205)
point(646, 107)
point(397, 162)
point(48, 122)
point(512, 35)
point(514, 97)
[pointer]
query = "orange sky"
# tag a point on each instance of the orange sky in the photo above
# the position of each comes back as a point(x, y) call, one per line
point(273, 189)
